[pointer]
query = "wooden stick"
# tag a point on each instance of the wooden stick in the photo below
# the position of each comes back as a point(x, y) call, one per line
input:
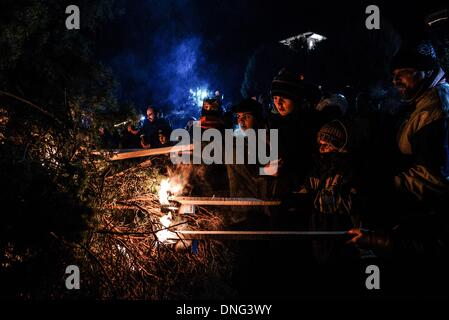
point(142, 198)
point(122, 154)
point(212, 201)
point(119, 207)
point(257, 235)
point(151, 152)
point(32, 105)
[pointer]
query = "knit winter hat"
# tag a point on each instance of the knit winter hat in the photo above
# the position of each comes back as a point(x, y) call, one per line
point(334, 133)
point(288, 85)
point(421, 57)
point(249, 105)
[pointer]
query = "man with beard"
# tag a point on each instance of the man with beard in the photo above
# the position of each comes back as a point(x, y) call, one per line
point(149, 133)
point(415, 238)
point(423, 135)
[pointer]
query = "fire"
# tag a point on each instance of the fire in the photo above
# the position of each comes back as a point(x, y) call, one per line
point(166, 236)
point(166, 189)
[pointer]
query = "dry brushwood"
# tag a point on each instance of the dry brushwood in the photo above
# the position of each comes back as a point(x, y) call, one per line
point(126, 259)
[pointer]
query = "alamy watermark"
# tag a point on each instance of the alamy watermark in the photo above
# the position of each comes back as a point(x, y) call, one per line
point(73, 280)
point(73, 20)
point(373, 280)
point(236, 147)
point(372, 22)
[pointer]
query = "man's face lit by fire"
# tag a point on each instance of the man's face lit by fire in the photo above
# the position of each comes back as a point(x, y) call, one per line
point(246, 120)
point(283, 105)
point(151, 115)
point(407, 80)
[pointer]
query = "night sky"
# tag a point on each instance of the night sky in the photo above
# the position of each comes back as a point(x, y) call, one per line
point(158, 50)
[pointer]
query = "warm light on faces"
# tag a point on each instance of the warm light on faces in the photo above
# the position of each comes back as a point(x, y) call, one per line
point(283, 105)
point(326, 147)
point(151, 114)
point(162, 139)
point(245, 120)
point(406, 80)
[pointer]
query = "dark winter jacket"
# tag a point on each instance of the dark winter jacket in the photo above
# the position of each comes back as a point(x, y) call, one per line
point(332, 186)
point(332, 189)
point(150, 131)
point(423, 140)
point(297, 142)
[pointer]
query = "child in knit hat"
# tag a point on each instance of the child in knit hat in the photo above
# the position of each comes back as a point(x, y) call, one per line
point(331, 188)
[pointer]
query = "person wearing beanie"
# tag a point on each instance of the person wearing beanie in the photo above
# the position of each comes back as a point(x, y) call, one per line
point(291, 93)
point(333, 137)
point(420, 187)
point(249, 114)
point(416, 70)
point(297, 122)
point(331, 192)
point(422, 137)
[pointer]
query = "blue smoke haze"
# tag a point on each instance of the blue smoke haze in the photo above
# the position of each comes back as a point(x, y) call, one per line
point(160, 58)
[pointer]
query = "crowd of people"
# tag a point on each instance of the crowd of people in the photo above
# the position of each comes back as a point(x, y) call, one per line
point(385, 181)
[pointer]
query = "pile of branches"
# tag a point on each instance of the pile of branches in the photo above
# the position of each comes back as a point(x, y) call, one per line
point(65, 206)
point(123, 258)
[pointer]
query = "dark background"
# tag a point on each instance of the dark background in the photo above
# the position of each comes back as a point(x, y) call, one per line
point(159, 50)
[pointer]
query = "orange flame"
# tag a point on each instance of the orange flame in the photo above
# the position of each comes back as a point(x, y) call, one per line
point(166, 236)
point(167, 188)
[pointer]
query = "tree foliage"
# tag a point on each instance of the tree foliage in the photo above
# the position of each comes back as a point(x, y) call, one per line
point(51, 90)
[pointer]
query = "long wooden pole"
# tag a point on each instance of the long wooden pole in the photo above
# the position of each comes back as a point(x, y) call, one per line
point(122, 154)
point(212, 201)
point(257, 235)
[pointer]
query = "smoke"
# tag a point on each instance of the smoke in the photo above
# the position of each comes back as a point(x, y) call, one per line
point(181, 69)
point(164, 59)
